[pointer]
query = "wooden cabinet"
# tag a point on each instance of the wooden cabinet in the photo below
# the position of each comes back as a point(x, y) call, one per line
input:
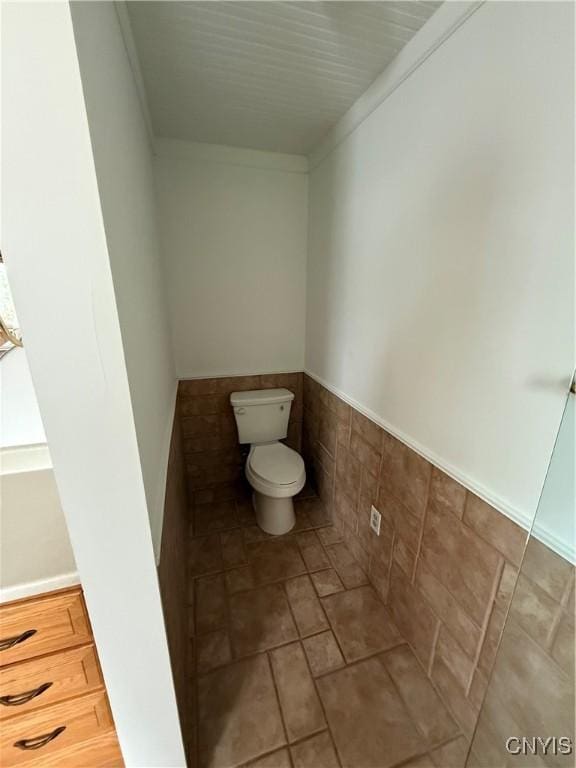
point(29, 685)
point(54, 709)
point(33, 627)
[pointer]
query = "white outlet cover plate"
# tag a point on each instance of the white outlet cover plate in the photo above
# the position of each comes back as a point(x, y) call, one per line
point(375, 518)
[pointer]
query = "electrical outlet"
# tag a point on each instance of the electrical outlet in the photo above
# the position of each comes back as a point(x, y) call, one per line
point(375, 518)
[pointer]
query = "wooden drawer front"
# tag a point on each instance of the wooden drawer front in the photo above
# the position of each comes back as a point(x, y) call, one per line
point(59, 622)
point(68, 673)
point(83, 718)
point(102, 752)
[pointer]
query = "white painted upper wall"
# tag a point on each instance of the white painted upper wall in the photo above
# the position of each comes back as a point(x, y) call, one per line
point(555, 521)
point(20, 420)
point(440, 287)
point(233, 234)
point(59, 270)
point(123, 158)
point(35, 551)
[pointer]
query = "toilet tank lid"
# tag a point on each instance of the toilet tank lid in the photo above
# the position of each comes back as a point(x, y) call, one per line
point(261, 397)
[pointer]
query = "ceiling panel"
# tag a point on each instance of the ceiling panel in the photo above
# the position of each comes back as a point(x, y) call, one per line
point(264, 75)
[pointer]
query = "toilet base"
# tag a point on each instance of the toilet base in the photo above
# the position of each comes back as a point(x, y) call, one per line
point(274, 516)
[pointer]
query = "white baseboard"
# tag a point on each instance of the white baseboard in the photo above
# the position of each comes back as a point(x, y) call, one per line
point(32, 588)
point(522, 519)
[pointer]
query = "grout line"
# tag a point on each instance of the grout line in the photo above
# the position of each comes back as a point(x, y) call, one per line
point(319, 697)
point(404, 703)
point(562, 609)
point(486, 623)
point(440, 695)
point(422, 526)
point(277, 693)
point(356, 662)
point(391, 562)
point(433, 649)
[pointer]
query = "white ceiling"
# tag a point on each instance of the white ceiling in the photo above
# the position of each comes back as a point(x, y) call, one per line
point(264, 75)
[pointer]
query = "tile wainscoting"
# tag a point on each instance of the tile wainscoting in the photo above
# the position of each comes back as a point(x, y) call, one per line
point(213, 458)
point(445, 562)
point(531, 691)
point(173, 573)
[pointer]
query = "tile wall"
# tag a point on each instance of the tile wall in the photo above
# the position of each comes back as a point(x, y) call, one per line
point(213, 458)
point(173, 571)
point(531, 691)
point(445, 561)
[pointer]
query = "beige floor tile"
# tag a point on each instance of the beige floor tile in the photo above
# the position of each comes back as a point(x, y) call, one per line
point(419, 696)
point(369, 722)
point(451, 755)
point(348, 569)
point(353, 576)
point(312, 551)
point(239, 716)
point(302, 522)
point(329, 535)
point(218, 516)
point(305, 606)
point(275, 560)
point(253, 534)
point(420, 762)
point(205, 555)
point(323, 653)
point(245, 512)
point(212, 650)
point(211, 607)
point(327, 582)
point(316, 752)
point(340, 555)
point(318, 513)
point(233, 553)
point(239, 579)
point(562, 650)
point(361, 622)
point(299, 701)
point(278, 759)
point(260, 619)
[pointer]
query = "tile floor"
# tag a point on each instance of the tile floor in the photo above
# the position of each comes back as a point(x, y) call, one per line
point(296, 662)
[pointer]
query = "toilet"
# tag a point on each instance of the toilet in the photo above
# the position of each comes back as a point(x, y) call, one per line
point(275, 472)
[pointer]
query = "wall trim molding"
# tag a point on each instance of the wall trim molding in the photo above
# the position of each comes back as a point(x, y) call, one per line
point(32, 588)
point(235, 374)
point(227, 155)
point(439, 27)
point(520, 518)
point(24, 458)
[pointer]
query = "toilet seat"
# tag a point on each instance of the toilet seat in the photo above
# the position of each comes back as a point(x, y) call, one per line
point(276, 463)
point(275, 470)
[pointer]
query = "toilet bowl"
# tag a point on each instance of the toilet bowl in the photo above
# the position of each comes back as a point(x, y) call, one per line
point(275, 472)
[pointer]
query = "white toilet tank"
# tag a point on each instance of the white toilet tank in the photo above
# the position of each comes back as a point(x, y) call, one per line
point(262, 414)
